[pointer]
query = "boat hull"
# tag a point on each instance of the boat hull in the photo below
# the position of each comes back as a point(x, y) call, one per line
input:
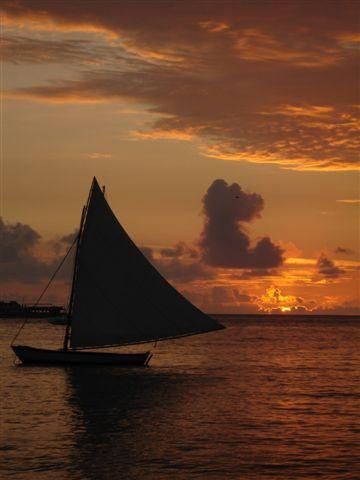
point(37, 356)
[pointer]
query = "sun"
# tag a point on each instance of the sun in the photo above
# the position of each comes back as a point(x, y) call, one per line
point(285, 309)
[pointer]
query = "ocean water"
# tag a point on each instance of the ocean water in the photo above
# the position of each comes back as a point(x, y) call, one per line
point(267, 398)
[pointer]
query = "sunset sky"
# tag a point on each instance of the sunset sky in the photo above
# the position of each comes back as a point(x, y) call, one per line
point(226, 133)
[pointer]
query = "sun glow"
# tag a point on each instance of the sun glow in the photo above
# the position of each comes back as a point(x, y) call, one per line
point(275, 300)
point(285, 309)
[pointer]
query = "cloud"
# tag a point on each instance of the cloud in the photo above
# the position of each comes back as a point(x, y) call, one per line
point(20, 49)
point(18, 261)
point(327, 267)
point(275, 301)
point(343, 250)
point(69, 238)
point(248, 81)
point(257, 46)
point(177, 263)
point(214, 297)
point(349, 201)
point(27, 262)
point(98, 155)
point(26, 258)
point(224, 295)
point(257, 272)
point(347, 307)
point(181, 272)
point(58, 248)
point(224, 241)
point(181, 249)
point(222, 299)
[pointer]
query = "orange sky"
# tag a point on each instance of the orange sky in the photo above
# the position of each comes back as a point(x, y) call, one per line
point(226, 134)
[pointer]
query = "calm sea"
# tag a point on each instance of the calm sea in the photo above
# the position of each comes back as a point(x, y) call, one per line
point(266, 398)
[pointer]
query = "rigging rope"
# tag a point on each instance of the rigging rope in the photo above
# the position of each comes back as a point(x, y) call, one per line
point(45, 289)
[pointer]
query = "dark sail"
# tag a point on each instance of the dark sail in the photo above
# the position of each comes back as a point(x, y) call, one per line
point(119, 297)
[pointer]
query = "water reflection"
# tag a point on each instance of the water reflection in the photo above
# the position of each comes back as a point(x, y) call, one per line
point(116, 418)
point(278, 399)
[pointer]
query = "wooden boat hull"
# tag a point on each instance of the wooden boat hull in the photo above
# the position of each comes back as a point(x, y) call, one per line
point(36, 356)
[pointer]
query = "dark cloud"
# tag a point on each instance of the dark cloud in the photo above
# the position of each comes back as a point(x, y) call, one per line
point(61, 244)
point(225, 299)
point(25, 257)
point(344, 251)
point(69, 238)
point(18, 261)
point(260, 81)
point(258, 272)
point(327, 267)
point(19, 49)
point(16, 240)
point(182, 272)
point(177, 264)
point(229, 129)
point(224, 241)
point(349, 307)
point(179, 250)
point(223, 295)
point(156, 20)
point(242, 297)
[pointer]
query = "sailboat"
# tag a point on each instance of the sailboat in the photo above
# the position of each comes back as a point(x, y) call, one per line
point(117, 298)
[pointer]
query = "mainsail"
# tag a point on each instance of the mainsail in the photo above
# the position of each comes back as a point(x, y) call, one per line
point(119, 298)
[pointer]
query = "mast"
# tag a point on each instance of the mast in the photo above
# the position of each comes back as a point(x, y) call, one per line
point(68, 320)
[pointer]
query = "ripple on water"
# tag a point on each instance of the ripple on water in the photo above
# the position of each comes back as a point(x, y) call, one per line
point(262, 399)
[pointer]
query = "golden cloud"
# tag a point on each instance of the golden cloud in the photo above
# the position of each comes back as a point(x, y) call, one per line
point(262, 85)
